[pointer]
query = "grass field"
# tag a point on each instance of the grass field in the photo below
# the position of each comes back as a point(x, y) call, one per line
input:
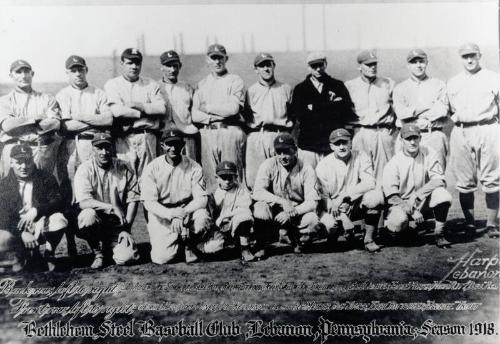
point(339, 268)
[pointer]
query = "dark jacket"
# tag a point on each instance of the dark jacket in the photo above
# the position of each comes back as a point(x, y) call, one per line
point(320, 113)
point(46, 198)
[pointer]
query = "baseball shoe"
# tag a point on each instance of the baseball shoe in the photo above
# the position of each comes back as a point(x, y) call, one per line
point(470, 229)
point(493, 231)
point(372, 247)
point(298, 249)
point(284, 238)
point(441, 242)
point(98, 261)
point(246, 255)
point(260, 254)
point(190, 256)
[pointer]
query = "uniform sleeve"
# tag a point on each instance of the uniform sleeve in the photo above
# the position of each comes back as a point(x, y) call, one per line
point(157, 104)
point(149, 190)
point(322, 174)
point(262, 184)
point(102, 103)
point(435, 175)
point(133, 194)
point(53, 111)
point(243, 198)
point(64, 104)
point(112, 93)
point(402, 107)
point(366, 178)
point(198, 185)
point(5, 108)
point(440, 107)
point(311, 187)
point(198, 115)
point(233, 102)
point(390, 179)
point(83, 188)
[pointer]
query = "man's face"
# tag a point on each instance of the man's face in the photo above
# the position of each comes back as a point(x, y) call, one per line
point(77, 76)
point(317, 69)
point(217, 64)
point(131, 69)
point(341, 148)
point(103, 153)
point(22, 77)
point(173, 149)
point(265, 70)
point(411, 145)
point(22, 167)
point(368, 70)
point(226, 181)
point(471, 62)
point(418, 67)
point(171, 70)
point(287, 156)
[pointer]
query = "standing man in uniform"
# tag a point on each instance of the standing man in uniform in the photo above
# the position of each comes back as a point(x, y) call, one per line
point(372, 97)
point(422, 100)
point(474, 100)
point(138, 107)
point(179, 100)
point(415, 187)
point(348, 190)
point(320, 104)
point(107, 192)
point(84, 113)
point(286, 191)
point(174, 193)
point(30, 210)
point(267, 114)
point(29, 116)
point(217, 106)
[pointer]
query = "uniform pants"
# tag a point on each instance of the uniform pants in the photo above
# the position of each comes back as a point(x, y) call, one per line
point(310, 157)
point(474, 157)
point(378, 144)
point(139, 149)
point(260, 146)
point(219, 145)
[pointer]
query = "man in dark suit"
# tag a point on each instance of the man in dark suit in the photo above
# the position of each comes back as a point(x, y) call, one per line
point(30, 211)
point(321, 104)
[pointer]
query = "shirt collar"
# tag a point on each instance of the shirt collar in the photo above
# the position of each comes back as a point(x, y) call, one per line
point(418, 81)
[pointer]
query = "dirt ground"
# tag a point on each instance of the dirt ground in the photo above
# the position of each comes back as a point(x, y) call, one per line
point(223, 289)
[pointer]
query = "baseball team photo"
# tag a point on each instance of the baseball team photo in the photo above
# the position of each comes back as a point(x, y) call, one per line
point(214, 171)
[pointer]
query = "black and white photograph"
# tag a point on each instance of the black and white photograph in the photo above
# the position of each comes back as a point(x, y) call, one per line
point(215, 171)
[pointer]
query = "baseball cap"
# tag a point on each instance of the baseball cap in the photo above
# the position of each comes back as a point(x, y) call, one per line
point(216, 49)
point(409, 130)
point(101, 138)
point(262, 57)
point(367, 56)
point(75, 60)
point(284, 141)
point(315, 57)
point(169, 56)
point(18, 64)
point(226, 167)
point(172, 135)
point(413, 54)
point(21, 151)
point(339, 134)
point(131, 54)
point(469, 48)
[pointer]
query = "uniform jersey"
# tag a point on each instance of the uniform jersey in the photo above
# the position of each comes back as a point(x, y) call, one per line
point(354, 178)
point(269, 105)
point(94, 182)
point(474, 97)
point(297, 186)
point(372, 101)
point(427, 96)
point(88, 101)
point(27, 105)
point(179, 100)
point(223, 96)
point(172, 185)
point(227, 201)
point(145, 90)
point(404, 175)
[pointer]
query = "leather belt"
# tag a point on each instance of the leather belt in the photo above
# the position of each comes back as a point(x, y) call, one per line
point(478, 123)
